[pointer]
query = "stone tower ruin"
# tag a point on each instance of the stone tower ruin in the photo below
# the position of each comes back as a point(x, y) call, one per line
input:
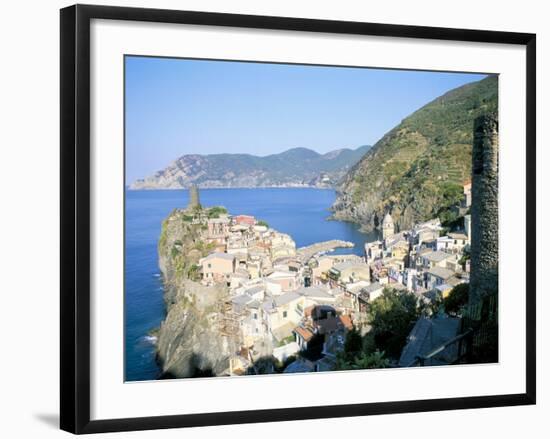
point(484, 209)
point(194, 199)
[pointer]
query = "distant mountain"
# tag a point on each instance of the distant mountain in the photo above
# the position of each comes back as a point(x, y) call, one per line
point(297, 167)
point(416, 170)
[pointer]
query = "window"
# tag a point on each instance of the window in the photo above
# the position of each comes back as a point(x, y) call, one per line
point(255, 316)
point(209, 265)
point(284, 314)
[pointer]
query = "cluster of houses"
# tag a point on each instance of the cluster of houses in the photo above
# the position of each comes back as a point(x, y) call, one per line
point(281, 304)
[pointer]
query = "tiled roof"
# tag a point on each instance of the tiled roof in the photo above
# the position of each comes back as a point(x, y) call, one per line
point(305, 333)
point(346, 321)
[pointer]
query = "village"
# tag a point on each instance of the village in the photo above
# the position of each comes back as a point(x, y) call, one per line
point(297, 304)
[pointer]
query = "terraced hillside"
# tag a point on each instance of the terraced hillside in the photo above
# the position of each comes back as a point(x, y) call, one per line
point(416, 170)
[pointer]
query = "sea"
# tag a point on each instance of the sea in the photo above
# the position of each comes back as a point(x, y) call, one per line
point(301, 212)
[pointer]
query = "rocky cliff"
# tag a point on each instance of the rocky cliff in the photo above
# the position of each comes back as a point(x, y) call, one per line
point(296, 167)
point(416, 170)
point(189, 343)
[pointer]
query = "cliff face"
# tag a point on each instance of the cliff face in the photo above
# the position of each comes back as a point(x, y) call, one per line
point(295, 167)
point(416, 170)
point(189, 342)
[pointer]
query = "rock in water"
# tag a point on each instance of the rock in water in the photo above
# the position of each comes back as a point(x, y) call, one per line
point(189, 342)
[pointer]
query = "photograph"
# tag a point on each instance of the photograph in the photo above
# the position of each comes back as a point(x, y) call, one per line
point(287, 218)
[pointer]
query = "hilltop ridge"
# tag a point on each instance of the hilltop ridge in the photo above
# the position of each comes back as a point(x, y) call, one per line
point(296, 167)
point(416, 170)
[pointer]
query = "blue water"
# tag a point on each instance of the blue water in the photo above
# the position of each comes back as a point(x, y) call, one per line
point(302, 213)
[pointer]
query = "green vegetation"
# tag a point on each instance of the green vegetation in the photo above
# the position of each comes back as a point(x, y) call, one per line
point(392, 316)
point(465, 257)
point(353, 343)
point(360, 353)
point(262, 223)
point(362, 360)
point(216, 212)
point(286, 341)
point(204, 248)
point(181, 246)
point(417, 169)
point(194, 272)
point(174, 252)
point(457, 299)
point(280, 366)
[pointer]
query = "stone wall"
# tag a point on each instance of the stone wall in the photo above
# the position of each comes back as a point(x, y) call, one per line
point(484, 210)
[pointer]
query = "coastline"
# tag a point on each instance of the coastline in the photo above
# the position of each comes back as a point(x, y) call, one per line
point(129, 188)
point(314, 210)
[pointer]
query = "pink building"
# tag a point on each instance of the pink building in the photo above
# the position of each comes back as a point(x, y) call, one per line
point(245, 220)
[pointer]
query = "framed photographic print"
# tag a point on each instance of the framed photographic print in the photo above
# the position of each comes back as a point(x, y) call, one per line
point(268, 218)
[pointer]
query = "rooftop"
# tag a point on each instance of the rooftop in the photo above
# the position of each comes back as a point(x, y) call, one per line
point(243, 299)
point(442, 273)
point(346, 321)
point(373, 287)
point(348, 264)
point(255, 289)
point(221, 220)
point(314, 292)
point(426, 335)
point(283, 299)
point(283, 331)
point(305, 333)
point(458, 236)
point(281, 274)
point(300, 366)
point(437, 256)
point(220, 255)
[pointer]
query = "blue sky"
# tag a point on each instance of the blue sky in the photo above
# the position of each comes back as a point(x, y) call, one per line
point(176, 107)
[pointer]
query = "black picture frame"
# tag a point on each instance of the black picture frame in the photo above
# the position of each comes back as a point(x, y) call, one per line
point(75, 217)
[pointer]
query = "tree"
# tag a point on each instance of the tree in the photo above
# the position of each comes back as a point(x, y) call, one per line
point(457, 298)
point(374, 360)
point(392, 316)
point(353, 343)
point(216, 211)
point(262, 223)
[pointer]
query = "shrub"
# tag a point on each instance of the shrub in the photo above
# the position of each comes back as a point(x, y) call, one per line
point(457, 298)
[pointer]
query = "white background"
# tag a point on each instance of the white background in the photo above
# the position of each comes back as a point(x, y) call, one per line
point(112, 398)
point(30, 204)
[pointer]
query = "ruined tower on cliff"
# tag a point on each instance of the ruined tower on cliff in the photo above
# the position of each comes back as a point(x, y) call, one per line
point(194, 199)
point(484, 209)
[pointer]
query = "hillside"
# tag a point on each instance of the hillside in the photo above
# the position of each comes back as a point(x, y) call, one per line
point(295, 167)
point(416, 170)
